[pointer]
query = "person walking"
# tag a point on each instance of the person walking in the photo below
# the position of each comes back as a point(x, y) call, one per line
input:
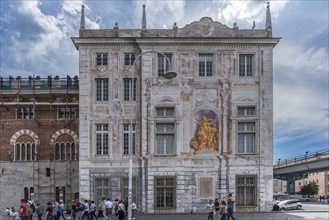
point(223, 210)
point(101, 208)
point(230, 205)
point(210, 209)
point(61, 210)
point(86, 209)
point(108, 208)
point(39, 211)
point(22, 210)
point(49, 211)
point(216, 207)
point(92, 208)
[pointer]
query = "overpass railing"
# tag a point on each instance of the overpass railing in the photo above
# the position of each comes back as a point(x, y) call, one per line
point(306, 156)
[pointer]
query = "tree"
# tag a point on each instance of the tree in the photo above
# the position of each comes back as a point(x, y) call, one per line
point(310, 189)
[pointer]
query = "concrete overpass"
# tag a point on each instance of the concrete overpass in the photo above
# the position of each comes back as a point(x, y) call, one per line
point(298, 167)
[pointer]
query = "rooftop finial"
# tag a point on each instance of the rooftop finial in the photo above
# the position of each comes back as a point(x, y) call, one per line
point(268, 23)
point(144, 18)
point(82, 21)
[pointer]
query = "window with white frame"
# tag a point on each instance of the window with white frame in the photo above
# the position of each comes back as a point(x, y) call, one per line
point(163, 64)
point(102, 188)
point(25, 113)
point(205, 65)
point(101, 59)
point(25, 151)
point(165, 112)
point(67, 113)
point(165, 138)
point(102, 89)
point(165, 192)
point(102, 139)
point(246, 111)
point(165, 131)
point(246, 138)
point(129, 93)
point(130, 58)
point(65, 151)
point(125, 188)
point(126, 138)
point(246, 190)
point(245, 64)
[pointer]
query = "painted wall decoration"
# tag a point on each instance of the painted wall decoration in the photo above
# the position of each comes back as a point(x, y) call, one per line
point(206, 133)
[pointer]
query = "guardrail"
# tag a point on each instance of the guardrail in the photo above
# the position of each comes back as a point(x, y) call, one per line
point(306, 156)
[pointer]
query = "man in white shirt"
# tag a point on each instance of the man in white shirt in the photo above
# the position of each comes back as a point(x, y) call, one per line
point(108, 208)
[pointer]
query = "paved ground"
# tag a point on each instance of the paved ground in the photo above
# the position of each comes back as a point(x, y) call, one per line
point(245, 216)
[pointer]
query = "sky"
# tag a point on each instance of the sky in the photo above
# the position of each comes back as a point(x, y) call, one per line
point(35, 40)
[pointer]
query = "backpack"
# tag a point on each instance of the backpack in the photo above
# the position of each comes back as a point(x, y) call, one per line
point(28, 210)
point(40, 209)
point(61, 208)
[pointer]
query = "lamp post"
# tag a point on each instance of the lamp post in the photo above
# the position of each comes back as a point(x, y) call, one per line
point(168, 75)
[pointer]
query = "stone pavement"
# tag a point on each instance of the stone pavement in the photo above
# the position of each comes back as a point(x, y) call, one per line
point(242, 216)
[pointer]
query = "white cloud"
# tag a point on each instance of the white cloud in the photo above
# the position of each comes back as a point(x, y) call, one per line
point(159, 13)
point(308, 59)
point(245, 12)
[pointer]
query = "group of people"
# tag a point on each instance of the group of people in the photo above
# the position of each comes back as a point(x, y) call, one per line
point(53, 211)
point(105, 209)
point(223, 209)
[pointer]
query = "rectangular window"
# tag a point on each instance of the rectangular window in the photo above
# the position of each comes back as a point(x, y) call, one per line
point(246, 137)
point(102, 89)
point(102, 188)
point(165, 192)
point(165, 138)
point(102, 139)
point(126, 138)
point(48, 172)
point(125, 188)
point(127, 87)
point(205, 65)
point(245, 65)
point(246, 191)
point(246, 111)
point(165, 112)
point(130, 58)
point(67, 113)
point(101, 59)
point(163, 64)
point(25, 113)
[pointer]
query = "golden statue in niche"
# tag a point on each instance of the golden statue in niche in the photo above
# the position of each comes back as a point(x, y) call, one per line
point(206, 136)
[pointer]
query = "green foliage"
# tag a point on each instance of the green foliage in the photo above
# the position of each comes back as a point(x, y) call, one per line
point(310, 189)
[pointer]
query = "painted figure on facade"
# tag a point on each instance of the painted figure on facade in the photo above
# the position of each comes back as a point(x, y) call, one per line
point(207, 132)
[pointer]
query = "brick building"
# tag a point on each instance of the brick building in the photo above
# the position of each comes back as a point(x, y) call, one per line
point(194, 135)
point(39, 139)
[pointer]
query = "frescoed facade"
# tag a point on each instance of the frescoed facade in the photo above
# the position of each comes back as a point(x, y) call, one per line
point(203, 134)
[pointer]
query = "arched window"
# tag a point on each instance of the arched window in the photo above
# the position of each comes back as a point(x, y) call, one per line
point(68, 151)
point(57, 150)
point(25, 151)
point(31, 192)
point(65, 151)
point(26, 193)
point(73, 154)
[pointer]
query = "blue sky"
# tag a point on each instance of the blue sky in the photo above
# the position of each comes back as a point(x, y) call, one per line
point(35, 40)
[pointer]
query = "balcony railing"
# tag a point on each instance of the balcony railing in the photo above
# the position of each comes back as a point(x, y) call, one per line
point(38, 83)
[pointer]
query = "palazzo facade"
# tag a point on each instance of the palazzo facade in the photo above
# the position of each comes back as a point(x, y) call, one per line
point(39, 143)
point(202, 133)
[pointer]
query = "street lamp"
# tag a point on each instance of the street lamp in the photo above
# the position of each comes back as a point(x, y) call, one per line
point(168, 75)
